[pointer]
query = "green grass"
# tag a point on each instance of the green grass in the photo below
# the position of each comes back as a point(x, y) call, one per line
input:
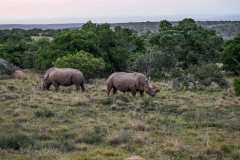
point(71, 125)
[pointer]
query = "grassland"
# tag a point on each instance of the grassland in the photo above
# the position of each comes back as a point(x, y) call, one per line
point(70, 125)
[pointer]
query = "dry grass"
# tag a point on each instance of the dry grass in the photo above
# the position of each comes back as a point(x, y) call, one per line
point(70, 125)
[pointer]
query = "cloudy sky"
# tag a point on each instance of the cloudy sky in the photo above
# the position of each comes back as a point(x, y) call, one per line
point(64, 11)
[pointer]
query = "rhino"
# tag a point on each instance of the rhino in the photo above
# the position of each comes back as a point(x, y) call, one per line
point(19, 74)
point(130, 82)
point(63, 77)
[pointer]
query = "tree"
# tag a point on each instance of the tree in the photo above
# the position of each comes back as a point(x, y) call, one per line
point(165, 25)
point(45, 55)
point(71, 41)
point(84, 61)
point(113, 45)
point(231, 55)
point(190, 43)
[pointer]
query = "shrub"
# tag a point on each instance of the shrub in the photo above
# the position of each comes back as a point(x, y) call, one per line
point(187, 43)
point(237, 86)
point(93, 136)
point(231, 56)
point(123, 137)
point(199, 76)
point(65, 145)
point(83, 61)
point(45, 113)
point(154, 63)
point(15, 141)
point(204, 72)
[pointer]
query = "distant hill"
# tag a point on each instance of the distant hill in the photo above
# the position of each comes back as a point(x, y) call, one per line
point(227, 29)
point(40, 26)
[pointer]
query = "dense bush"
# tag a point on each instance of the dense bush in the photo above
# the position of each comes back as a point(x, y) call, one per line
point(153, 63)
point(114, 46)
point(188, 42)
point(18, 47)
point(231, 55)
point(29, 49)
point(237, 86)
point(44, 54)
point(199, 76)
point(206, 74)
point(84, 61)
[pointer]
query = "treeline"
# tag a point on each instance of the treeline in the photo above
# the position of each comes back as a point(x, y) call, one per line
point(99, 49)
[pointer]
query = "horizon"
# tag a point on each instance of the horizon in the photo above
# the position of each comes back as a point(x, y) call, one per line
point(109, 11)
point(112, 20)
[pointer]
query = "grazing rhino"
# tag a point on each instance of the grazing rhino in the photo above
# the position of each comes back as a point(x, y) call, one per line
point(130, 82)
point(63, 77)
point(19, 74)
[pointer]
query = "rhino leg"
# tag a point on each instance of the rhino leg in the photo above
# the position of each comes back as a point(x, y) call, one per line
point(134, 92)
point(114, 90)
point(48, 85)
point(56, 85)
point(109, 88)
point(141, 93)
point(82, 86)
point(77, 87)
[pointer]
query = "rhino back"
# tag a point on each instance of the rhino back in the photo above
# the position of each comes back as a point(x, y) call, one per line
point(124, 82)
point(66, 76)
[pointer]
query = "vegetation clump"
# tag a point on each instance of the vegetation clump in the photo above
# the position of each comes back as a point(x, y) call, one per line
point(93, 136)
point(231, 55)
point(237, 86)
point(82, 61)
point(15, 141)
point(200, 77)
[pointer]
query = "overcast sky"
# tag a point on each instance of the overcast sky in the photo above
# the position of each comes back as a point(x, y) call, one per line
point(64, 11)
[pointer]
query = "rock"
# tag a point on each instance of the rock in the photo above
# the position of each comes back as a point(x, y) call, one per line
point(18, 74)
point(135, 158)
point(6, 68)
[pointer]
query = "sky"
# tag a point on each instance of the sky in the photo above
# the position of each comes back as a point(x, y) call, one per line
point(74, 11)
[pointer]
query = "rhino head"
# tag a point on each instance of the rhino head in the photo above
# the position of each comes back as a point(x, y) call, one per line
point(151, 90)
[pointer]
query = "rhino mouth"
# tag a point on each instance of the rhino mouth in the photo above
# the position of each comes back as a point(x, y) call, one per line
point(151, 94)
point(152, 91)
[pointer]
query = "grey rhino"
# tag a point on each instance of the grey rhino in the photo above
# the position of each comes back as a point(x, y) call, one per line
point(63, 77)
point(130, 82)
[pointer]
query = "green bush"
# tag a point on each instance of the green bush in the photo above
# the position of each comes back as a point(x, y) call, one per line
point(83, 61)
point(15, 141)
point(123, 137)
point(198, 77)
point(206, 74)
point(93, 136)
point(45, 113)
point(237, 86)
point(187, 43)
point(231, 55)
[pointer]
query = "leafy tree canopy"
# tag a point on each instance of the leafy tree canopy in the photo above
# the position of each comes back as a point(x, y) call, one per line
point(190, 43)
point(83, 61)
point(231, 55)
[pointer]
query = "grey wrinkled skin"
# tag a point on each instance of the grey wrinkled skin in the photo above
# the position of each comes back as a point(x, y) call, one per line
point(130, 82)
point(63, 77)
